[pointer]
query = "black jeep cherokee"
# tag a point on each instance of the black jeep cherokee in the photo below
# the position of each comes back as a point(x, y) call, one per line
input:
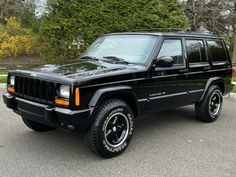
point(119, 77)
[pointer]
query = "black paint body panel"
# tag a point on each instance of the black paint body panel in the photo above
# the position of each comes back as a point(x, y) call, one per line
point(153, 89)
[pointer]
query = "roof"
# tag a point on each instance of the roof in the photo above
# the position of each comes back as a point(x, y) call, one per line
point(179, 33)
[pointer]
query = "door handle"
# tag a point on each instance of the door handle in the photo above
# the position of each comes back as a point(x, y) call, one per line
point(183, 70)
point(207, 67)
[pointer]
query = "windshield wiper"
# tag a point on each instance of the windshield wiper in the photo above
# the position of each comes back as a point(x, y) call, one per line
point(89, 57)
point(116, 59)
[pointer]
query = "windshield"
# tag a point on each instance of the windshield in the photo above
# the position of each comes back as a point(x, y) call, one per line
point(129, 48)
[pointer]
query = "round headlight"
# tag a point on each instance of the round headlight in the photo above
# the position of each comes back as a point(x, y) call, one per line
point(12, 80)
point(65, 91)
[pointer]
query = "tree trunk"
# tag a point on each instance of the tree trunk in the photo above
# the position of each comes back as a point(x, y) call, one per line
point(2, 13)
point(234, 52)
point(234, 45)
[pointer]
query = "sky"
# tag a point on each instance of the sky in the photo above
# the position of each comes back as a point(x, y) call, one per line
point(40, 6)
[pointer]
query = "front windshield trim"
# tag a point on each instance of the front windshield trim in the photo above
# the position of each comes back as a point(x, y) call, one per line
point(147, 60)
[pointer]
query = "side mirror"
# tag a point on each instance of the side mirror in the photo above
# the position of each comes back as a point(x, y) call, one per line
point(164, 62)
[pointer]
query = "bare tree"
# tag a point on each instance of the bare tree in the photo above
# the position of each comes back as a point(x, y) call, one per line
point(231, 21)
point(15, 7)
point(218, 16)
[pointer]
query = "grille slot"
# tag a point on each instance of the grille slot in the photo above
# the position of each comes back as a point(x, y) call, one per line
point(35, 89)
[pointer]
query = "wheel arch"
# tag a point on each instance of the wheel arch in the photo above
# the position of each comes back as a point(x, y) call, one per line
point(214, 81)
point(124, 93)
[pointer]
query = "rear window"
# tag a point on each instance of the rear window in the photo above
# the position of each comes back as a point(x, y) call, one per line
point(217, 50)
point(196, 51)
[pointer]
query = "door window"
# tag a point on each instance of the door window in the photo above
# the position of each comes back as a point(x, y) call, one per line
point(196, 51)
point(172, 48)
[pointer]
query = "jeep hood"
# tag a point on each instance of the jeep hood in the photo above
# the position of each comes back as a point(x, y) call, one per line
point(81, 69)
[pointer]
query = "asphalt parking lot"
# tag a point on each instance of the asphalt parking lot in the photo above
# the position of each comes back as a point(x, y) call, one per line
point(166, 144)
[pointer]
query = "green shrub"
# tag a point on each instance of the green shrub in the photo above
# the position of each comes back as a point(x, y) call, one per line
point(16, 40)
point(234, 90)
point(3, 79)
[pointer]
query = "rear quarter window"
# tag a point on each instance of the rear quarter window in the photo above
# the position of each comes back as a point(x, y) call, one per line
point(196, 51)
point(216, 50)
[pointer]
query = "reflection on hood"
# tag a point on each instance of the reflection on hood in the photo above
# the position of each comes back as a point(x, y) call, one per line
point(80, 68)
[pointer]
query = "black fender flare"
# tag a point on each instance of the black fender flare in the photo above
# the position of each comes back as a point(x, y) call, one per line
point(101, 93)
point(209, 83)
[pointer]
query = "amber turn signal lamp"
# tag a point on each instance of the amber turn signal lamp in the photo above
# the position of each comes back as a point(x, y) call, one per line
point(77, 97)
point(10, 89)
point(62, 102)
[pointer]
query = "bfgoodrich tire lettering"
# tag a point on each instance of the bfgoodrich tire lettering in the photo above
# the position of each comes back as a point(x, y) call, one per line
point(112, 128)
point(209, 109)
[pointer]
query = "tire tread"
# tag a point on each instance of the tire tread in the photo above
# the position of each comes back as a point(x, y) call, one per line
point(91, 134)
point(201, 107)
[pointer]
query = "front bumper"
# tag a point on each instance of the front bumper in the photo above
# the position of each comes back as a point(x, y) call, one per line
point(52, 116)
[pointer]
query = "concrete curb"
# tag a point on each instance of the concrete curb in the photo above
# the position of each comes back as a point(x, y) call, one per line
point(231, 95)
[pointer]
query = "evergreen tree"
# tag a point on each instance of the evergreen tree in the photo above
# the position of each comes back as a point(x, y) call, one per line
point(70, 21)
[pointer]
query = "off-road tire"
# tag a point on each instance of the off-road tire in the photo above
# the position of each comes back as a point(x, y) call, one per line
point(202, 108)
point(98, 138)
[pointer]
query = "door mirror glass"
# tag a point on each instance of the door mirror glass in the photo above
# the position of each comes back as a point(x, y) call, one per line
point(164, 62)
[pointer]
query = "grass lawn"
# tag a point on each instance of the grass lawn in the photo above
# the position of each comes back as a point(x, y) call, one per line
point(3, 79)
point(234, 90)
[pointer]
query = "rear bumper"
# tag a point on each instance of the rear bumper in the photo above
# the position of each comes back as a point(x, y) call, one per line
point(56, 117)
point(228, 89)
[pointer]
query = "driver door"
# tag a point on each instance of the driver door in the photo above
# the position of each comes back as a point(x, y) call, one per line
point(168, 85)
